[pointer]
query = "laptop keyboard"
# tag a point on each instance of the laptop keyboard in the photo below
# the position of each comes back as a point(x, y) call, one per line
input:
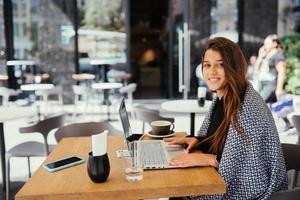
point(154, 155)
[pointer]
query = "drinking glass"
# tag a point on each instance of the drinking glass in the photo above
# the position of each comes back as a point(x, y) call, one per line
point(134, 167)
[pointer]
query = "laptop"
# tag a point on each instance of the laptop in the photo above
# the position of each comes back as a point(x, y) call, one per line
point(156, 153)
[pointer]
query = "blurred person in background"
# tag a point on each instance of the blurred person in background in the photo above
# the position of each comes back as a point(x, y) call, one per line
point(252, 73)
point(250, 69)
point(271, 67)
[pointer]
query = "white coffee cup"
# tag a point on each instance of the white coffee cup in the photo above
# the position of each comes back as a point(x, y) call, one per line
point(201, 94)
point(161, 127)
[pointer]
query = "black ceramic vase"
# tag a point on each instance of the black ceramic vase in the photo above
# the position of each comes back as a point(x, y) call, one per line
point(98, 168)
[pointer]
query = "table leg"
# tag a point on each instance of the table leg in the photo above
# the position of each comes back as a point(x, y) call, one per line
point(108, 113)
point(108, 110)
point(106, 97)
point(103, 72)
point(2, 149)
point(192, 124)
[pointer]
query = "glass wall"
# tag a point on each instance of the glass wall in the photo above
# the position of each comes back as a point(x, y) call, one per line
point(224, 19)
point(2, 41)
point(38, 27)
point(101, 35)
point(43, 31)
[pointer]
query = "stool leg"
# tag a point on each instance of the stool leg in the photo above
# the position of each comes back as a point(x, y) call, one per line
point(29, 168)
point(7, 177)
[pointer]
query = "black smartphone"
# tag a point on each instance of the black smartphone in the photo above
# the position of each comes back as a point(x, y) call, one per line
point(62, 164)
point(134, 137)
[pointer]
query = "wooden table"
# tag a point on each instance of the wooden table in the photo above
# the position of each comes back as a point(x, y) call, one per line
point(3, 77)
point(74, 183)
point(187, 106)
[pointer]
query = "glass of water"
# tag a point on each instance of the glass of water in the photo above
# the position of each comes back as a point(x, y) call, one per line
point(134, 167)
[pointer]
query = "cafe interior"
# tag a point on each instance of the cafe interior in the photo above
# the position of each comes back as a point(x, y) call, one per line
point(66, 66)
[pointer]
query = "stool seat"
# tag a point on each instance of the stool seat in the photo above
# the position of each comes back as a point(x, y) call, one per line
point(3, 77)
point(83, 77)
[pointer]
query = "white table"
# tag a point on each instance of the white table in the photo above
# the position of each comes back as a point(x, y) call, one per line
point(20, 62)
point(8, 114)
point(107, 86)
point(189, 106)
point(37, 86)
point(104, 65)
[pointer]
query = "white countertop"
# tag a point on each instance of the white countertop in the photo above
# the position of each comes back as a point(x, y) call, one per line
point(107, 61)
point(20, 62)
point(15, 112)
point(185, 106)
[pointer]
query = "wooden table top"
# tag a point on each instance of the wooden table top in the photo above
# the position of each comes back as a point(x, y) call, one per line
point(83, 77)
point(74, 183)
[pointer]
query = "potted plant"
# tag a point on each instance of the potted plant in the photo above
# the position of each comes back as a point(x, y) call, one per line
point(291, 44)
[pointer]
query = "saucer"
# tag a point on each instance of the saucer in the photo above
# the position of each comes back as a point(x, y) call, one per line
point(161, 136)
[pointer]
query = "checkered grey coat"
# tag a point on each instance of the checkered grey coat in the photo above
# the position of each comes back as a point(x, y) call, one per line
point(254, 168)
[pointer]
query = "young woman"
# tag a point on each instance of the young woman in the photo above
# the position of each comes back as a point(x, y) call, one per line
point(238, 136)
point(271, 65)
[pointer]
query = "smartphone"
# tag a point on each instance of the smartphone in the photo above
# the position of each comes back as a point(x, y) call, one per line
point(62, 164)
point(134, 137)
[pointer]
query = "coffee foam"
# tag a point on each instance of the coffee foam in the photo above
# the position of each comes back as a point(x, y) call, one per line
point(160, 123)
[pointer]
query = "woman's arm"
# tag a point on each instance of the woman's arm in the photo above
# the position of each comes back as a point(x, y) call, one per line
point(261, 55)
point(280, 67)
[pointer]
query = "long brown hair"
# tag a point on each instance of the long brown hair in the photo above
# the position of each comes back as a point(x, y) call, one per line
point(235, 66)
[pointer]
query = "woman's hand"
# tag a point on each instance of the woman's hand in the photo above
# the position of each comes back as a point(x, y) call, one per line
point(191, 142)
point(195, 159)
point(262, 52)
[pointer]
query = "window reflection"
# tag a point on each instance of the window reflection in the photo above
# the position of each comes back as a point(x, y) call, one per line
point(2, 41)
point(101, 34)
point(37, 26)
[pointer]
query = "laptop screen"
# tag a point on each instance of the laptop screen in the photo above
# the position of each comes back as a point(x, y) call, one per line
point(124, 119)
point(125, 123)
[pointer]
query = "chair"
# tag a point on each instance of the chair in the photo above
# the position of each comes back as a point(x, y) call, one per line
point(291, 156)
point(296, 122)
point(147, 115)
point(84, 129)
point(5, 93)
point(128, 89)
point(45, 94)
point(32, 148)
point(293, 194)
point(85, 78)
point(82, 94)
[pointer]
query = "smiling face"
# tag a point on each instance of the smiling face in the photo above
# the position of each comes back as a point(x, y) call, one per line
point(213, 71)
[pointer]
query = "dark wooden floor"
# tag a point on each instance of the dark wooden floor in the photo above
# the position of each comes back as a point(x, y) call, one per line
point(14, 188)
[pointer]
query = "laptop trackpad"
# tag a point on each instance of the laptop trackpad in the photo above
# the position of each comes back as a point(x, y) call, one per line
point(174, 150)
